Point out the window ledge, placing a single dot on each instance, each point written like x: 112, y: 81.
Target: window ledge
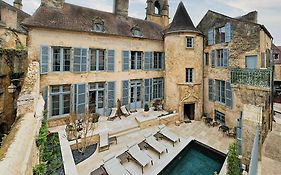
x: 57, y: 117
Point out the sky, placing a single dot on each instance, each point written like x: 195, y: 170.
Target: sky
x: 268, y: 10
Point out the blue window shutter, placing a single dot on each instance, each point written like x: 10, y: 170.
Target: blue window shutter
x: 218, y: 90
x: 262, y: 60
x: 227, y: 32
x: 76, y: 61
x: 84, y: 60
x: 80, y: 98
x: 225, y: 57
x: 147, y: 60
x: 125, y: 60
x: 213, y: 55
x: 111, y: 94
x: 228, y: 94
x: 210, y: 36
x: 125, y: 92
x: 45, y: 97
x: 211, y: 89
x: 44, y: 59
x: 147, y: 89
x: 110, y: 60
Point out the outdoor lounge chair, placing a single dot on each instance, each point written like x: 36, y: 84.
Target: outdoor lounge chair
x: 124, y: 111
x: 113, y: 166
x: 139, y: 156
x: 165, y: 132
x: 155, y: 145
x: 104, y: 141
x: 112, y: 114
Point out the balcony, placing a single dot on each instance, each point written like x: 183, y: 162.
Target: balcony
x: 251, y: 77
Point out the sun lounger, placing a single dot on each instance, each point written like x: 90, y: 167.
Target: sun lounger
x: 104, y: 141
x: 154, y: 144
x: 113, y: 114
x: 164, y: 131
x: 124, y: 111
x: 139, y: 156
x: 113, y: 166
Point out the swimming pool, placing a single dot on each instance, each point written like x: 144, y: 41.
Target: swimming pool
x: 195, y: 159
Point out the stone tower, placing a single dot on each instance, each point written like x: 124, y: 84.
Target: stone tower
x: 158, y: 11
x: 18, y: 4
x: 53, y: 3
x: 121, y: 7
x: 183, y: 67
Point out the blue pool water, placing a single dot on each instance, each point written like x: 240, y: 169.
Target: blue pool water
x: 195, y: 159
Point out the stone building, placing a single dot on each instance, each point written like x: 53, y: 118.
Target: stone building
x: 276, y: 50
x: 238, y: 73
x: 13, y: 38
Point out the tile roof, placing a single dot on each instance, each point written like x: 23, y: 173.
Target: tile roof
x: 77, y: 18
x: 181, y: 21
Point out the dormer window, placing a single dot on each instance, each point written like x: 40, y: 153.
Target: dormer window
x: 136, y: 32
x: 98, y: 25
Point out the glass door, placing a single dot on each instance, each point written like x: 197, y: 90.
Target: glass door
x: 135, y: 95
x: 96, y: 98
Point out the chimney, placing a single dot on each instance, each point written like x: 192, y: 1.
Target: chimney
x: 53, y: 3
x: 121, y: 7
x: 251, y: 17
x: 18, y: 4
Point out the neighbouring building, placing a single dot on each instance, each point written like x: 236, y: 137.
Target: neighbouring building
x: 276, y: 50
x: 90, y: 58
x: 13, y: 37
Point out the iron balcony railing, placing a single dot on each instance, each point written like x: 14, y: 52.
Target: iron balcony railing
x: 251, y: 77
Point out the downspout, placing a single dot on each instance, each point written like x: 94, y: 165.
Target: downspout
x: 203, y: 82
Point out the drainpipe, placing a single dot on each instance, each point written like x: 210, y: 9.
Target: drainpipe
x: 203, y: 82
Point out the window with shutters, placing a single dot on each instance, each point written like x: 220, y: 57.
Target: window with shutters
x: 97, y: 59
x: 206, y: 56
x: 220, y: 58
x: 80, y: 60
x: 220, y: 117
x: 61, y: 59
x: 188, y: 75
x: 220, y: 37
x: 96, y: 96
x: 220, y: 91
x: 60, y: 100
x: 251, y: 62
x: 189, y: 42
x: 210, y: 37
x: 158, y: 88
x: 158, y: 60
x: 136, y: 60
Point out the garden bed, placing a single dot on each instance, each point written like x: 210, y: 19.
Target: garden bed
x: 79, y: 157
x: 50, y: 157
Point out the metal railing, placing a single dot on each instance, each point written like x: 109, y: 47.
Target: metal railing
x: 251, y: 77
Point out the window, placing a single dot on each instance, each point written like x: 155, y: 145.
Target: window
x: 158, y: 87
x: 96, y: 97
x: 61, y: 59
x: 136, y: 32
x: 157, y: 60
x: 220, y: 91
x: 210, y: 37
x: 97, y: 59
x: 211, y: 89
x: 98, y: 27
x: 188, y: 75
x: 221, y: 35
x: 136, y: 60
x: 157, y: 8
x: 276, y: 56
x: 213, y: 55
x: 207, y: 59
x: 220, y: 58
x: 60, y: 100
x: 220, y: 117
x: 189, y: 42
x: 251, y: 62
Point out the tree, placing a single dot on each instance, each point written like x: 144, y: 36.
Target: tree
x: 232, y: 160
x: 79, y: 128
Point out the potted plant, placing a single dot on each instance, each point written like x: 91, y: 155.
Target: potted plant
x: 146, y: 107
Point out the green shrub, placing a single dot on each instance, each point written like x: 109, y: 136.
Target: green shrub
x: 232, y: 160
x: 40, y: 169
x: 146, y: 107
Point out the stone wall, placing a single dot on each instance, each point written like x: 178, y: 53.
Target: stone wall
x: 177, y: 58
x: 21, y: 154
